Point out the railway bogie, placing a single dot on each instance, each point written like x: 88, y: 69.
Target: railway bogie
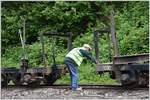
x: 32, y: 76
x: 129, y: 75
x: 4, y: 81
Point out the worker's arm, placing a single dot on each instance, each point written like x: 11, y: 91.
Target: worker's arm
x: 88, y: 55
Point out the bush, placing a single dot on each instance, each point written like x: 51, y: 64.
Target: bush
x: 88, y: 75
x: 13, y: 55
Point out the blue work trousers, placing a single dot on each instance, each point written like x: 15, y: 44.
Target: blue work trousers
x: 73, y: 74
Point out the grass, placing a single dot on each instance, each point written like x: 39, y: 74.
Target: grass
x: 88, y: 75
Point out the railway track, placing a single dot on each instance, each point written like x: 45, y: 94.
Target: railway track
x: 64, y: 92
x: 119, y: 87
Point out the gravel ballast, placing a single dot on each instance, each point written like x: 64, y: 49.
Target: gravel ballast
x: 50, y: 93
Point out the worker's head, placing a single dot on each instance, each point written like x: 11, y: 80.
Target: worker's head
x: 87, y: 47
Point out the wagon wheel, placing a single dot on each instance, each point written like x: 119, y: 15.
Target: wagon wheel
x: 52, y: 77
x: 133, y: 84
x: 4, y: 80
x: 16, y: 81
x: 34, y: 84
x: 143, y: 79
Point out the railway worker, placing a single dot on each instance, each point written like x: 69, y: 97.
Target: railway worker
x: 74, y: 59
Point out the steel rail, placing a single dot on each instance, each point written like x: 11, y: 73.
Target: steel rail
x: 84, y: 86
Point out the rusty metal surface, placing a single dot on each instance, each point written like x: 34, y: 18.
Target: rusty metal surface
x: 140, y: 67
x: 9, y: 70
x: 131, y: 59
x: 104, y: 67
x: 38, y: 70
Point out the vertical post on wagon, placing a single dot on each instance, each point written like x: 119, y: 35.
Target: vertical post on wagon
x: 24, y: 40
x: 43, y: 50
x: 112, y: 29
x: 115, y: 45
x: 69, y: 44
x: 96, y: 37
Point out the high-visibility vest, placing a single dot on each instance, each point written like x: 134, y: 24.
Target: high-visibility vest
x: 76, y: 55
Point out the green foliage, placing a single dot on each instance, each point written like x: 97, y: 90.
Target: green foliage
x: 131, y: 24
x: 88, y: 75
x: 13, y: 55
x: 60, y: 15
x: 132, y: 28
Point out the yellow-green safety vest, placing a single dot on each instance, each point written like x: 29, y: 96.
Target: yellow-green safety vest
x: 76, y: 55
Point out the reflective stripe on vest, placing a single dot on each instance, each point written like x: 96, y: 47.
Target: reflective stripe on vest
x: 76, y: 55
